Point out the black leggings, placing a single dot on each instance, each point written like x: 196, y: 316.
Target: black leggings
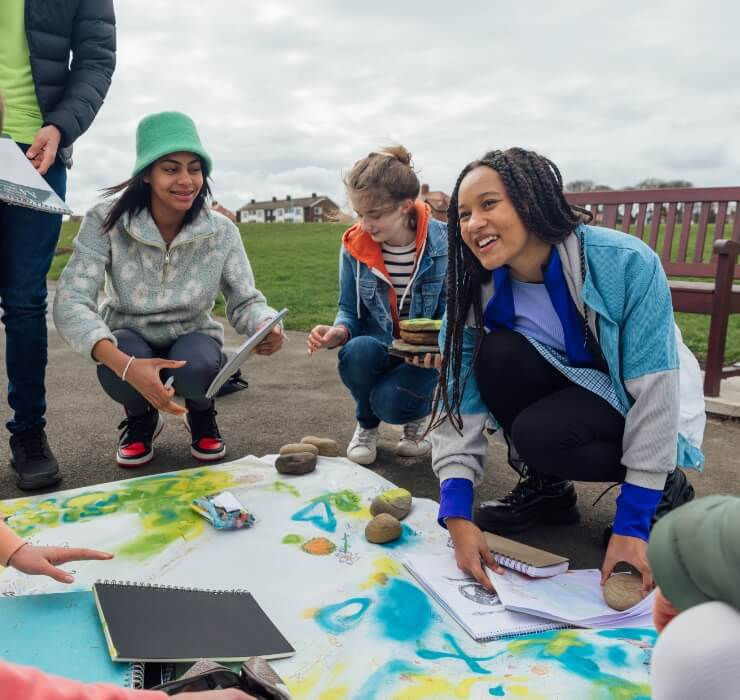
x: 558, y: 428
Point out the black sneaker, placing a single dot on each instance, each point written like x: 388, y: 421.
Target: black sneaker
x: 677, y: 491
x: 532, y: 501
x: 207, y: 444
x: 35, y: 465
x: 135, y: 446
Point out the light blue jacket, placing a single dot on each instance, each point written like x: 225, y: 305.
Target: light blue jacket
x: 366, y: 294
x: 629, y: 310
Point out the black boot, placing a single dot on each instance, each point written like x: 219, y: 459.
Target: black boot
x: 534, y: 500
x: 35, y: 465
x: 677, y: 491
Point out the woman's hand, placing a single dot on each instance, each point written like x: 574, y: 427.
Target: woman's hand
x: 326, y: 337
x: 663, y: 610
x: 272, y: 342
x: 31, y: 559
x: 631, y: 550
x: 429, y: 361
x: 143, y: 375
x: 470, y: 548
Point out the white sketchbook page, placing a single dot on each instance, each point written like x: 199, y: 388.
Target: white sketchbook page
x: 574, y: 597
x: 478, y: 610
x: 17, y: 172
x: 242, y: 353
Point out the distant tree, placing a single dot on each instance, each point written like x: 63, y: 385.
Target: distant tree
x: 654, y: 183
x: 584, y: 186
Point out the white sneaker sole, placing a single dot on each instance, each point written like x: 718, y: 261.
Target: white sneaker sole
x: 362, y: 459
x: 144, y: 459
x: 406, y: 449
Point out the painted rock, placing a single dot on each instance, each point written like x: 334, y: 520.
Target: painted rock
x: 622, y: 591
x: 383, y: 528
x: 326, y: 446
x: 294, y: 447
x: 296, y: 463
x: 396, y: 502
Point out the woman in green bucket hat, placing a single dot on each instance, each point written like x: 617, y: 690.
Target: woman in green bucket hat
x: 164, y: 256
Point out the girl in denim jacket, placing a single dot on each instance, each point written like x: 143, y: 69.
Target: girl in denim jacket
x: 392, y: 267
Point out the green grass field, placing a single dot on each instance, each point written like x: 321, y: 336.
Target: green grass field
x: 296, y: 265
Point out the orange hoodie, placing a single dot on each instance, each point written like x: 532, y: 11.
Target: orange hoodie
x: 360, y: 245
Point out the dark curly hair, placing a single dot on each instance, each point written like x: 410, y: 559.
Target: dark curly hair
x: 535, y: 187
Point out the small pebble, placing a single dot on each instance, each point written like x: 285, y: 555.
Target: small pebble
x: 622, y: 591
x: 326, y: 446
x: 383, y: 528
x: 395, y: 502
x: 296, y: 463
x: 294, y: 447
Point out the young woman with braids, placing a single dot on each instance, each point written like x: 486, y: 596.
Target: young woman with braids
x: 563, y: 335
x: 392, y: 267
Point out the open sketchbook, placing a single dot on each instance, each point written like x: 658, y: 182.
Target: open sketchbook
x: 242, y: 353
x: 574, y: 598
x: 21, y: 184
x: 479, y: 612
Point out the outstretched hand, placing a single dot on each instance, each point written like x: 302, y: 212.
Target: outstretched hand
x: 471, y: 551
x: 44, y: 561
x: 325, y: 337
x: 143, y: 375
x: 633, y: 551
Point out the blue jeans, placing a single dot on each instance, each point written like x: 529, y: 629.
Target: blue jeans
x: 201, y: 352
x: 28, y: 239
x: 384, y: 387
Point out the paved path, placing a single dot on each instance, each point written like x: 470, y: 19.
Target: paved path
x: 291, y: 395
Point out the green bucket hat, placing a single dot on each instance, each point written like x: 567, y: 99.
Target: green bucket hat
x: 167, y: 132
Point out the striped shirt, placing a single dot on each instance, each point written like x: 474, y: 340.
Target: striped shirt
x: 400, y: 261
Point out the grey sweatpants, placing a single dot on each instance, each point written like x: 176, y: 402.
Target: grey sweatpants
x: 201, y: 352
x: 698, y: 655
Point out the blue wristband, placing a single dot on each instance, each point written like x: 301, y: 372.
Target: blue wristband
x: 635, y: 508
x: 455, y: 500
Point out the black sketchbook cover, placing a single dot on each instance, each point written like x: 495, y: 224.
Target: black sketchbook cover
x: 160, y: 623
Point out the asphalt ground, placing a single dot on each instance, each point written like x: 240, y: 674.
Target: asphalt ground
x: 291, y: 395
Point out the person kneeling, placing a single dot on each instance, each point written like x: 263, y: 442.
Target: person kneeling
x: 164, y: 256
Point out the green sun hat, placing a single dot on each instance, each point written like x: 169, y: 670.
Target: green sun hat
x: 167, y: 132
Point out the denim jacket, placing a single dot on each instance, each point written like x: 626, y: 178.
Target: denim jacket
x: 367, y: 300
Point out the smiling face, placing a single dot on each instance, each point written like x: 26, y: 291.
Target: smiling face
x: 384, y: 220
x: 489, y: 223
x: 175, y: 181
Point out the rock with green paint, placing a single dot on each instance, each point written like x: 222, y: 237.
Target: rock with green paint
x: 294, y: 447
x: 383, y: 528
x: 622, y: 591
x: 296, y: 464
x: 326, y: 446
x: 395, y: 502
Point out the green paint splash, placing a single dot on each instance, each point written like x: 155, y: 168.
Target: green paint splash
x: 292, y: 539
x: 162, y: 503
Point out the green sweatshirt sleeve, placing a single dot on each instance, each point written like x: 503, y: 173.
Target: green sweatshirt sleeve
x: 694, y: 552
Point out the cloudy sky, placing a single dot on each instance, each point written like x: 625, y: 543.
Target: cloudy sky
x: 287, y: 95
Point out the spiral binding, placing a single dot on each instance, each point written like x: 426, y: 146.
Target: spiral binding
x: 514, y: 634
x: 21, y: 202
x: 509, y: 563
x: 138, y: 584
x: 136, y: 675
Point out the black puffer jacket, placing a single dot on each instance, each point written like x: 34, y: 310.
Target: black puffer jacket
x: 71, y: 95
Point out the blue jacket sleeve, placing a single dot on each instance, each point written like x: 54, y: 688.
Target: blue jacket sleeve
x: 455, y: 500
x: 635, y: 508
x: 348, y: 300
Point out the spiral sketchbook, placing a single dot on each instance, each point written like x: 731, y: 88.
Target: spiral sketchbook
x: 537, y: 563
x: 479, y: 612
x: 21, y: 184
x: 60, y: 634
x: 153, y: 623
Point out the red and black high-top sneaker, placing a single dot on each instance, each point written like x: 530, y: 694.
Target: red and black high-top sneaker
x: 135, y: 444
x: 207, y: 444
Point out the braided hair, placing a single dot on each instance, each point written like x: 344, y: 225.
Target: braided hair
x: 535, y: 187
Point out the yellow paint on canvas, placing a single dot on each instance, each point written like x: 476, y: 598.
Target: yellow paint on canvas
x: 301, y: 687
x: 339, y: 692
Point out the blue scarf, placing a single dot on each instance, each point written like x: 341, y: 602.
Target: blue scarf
x: 499, y: 312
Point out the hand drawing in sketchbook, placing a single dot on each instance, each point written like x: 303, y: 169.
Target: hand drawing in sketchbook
x: 473, y: 591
